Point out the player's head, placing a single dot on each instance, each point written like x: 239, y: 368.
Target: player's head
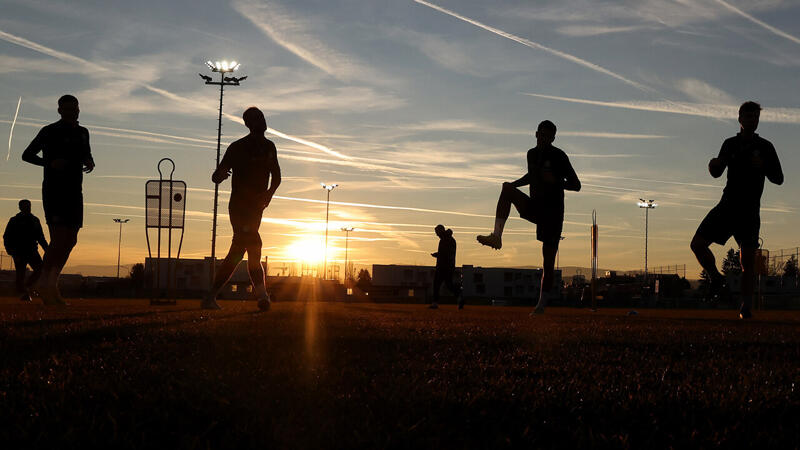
x: 545, y: 133
x: 749, y: 113
x: 68, y: 108
x: 254, y: 120
x: 25, y: 205
x: 439, y: 230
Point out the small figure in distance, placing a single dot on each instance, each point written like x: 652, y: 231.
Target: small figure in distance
x: 549, y: 175
x: 22, y: 238
x: 252, y: 160
x: 445, y: 266
x: 749, y: 159
x: 66, y: 155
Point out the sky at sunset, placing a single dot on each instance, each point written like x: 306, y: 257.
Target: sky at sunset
x: 418, y: 110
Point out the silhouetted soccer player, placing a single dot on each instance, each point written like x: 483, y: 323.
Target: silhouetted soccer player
x: 65, y: 156
x: 549, y: 175
x: 22, y: 238
x: 253, y: 159
x: 749, y: 158
x: 445, y: 266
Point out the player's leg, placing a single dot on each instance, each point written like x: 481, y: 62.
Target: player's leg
x: 223, y: 273
x: 747, y: 258
x: 509, y: 195
x: 20, y: 265
x: 256, y: 271
x: 438, y: 279
x: 62, y: 241
x: 701, y: 248
x: 454, y: 287
x: 35, y: 261
x: 549, y: 251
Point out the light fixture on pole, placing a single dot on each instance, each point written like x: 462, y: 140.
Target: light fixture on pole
x: 329, y: 188
x: 221, y: 67
x: 119, y: 242
x: 647, y: 205
x: 347, y: 231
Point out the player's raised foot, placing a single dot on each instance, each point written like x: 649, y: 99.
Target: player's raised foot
x: 209, y: 302
x: 491, y: 240
x: 433, y: 306
x: 745, y: 314
x: 264, y: 303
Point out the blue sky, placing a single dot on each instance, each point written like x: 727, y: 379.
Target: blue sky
x: 419, y: 110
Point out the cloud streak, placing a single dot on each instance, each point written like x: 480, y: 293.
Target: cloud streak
x: 93, y: 67
x: 537, y: 46
x: 712, y: 111
x: 758, y: 22
x: 11, y: 131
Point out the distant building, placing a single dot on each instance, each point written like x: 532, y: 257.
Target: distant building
x: 492, y: 284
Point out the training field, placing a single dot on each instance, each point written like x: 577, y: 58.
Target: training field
x: 329, y: 375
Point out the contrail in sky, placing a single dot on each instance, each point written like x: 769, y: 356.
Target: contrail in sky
x: 531, y: 44
x: 753, y: 19
x: 164, y: 93
x: 11, y: 132
x: 720, y: 112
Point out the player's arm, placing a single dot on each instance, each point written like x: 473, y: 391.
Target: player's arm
x: 773, y: 171
x: 86, y: 157
x: 40, y: 236
x: 717, y: 165
x: 8, y: 237
x: 223, y: 170
x: 274, y: 175
x: 570, y: 178
x: 31, y: 153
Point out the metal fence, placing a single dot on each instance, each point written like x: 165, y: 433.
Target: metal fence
x: 776, y: 262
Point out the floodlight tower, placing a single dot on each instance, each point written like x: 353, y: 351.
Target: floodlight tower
x: 329, y: 188
x: 647, y: 205
x: 221, y: 67
x: 120, y: 221
x: 347, y: 231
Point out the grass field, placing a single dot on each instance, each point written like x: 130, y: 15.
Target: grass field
x: 326, y: 375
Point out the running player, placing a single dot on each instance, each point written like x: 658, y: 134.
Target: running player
x: 65, y: 156
x: 22, y: 238
x: 445, y: 266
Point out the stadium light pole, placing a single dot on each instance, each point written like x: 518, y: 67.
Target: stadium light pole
x: 647, y: 205
x: 221, y: 67
x: 347, y: 231
x: 329, y: 188
x: 120, y: 221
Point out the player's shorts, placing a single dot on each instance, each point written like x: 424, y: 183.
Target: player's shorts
x: 245, y: 221
x: 549, y: 218
x: 726, y: 220
x: 63, y: 209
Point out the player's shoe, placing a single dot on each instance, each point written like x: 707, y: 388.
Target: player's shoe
x: 433, y: 306
x: 538, y: 311
x: 209, y: 302
x: 264, y: 303
x: 491, y: 240
x: 26, y: 297
x: 745, y: 314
